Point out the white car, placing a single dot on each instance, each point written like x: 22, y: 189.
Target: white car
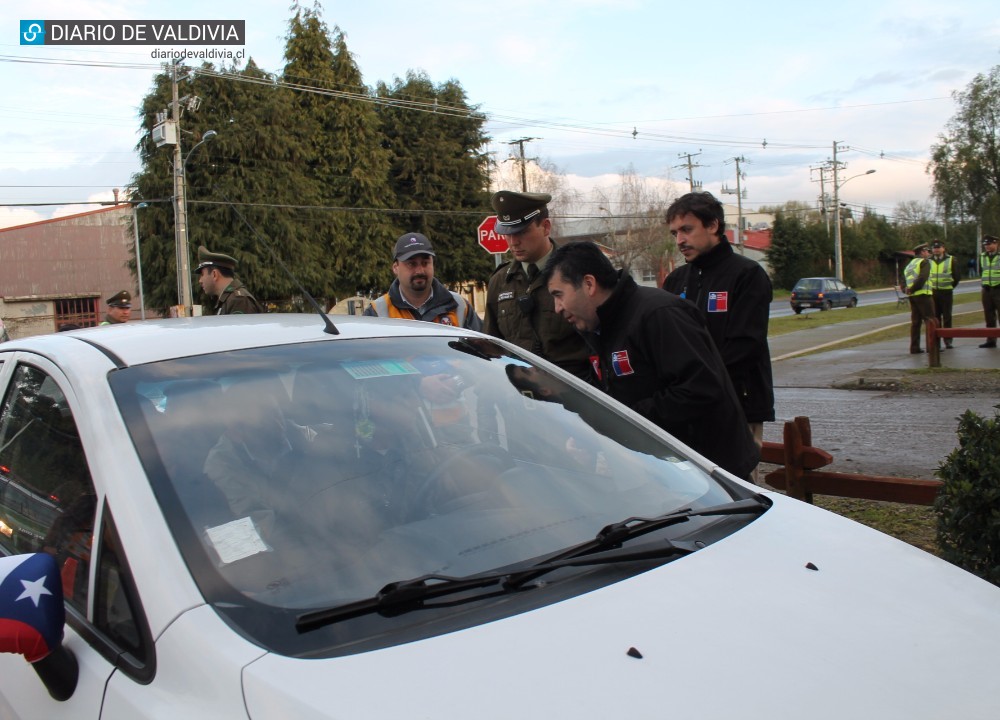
x: 253, y: 517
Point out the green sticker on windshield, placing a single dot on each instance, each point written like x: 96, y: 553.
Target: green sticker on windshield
x: 365, y: 370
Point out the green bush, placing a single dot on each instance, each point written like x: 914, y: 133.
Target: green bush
x: 968, y: 506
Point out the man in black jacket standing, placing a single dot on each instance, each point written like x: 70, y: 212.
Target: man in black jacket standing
x: 733, y: 294
x: 654, y: 355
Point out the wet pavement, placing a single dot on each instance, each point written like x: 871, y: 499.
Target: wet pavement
x: 881, y: 432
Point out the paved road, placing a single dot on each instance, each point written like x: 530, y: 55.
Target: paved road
x: 781, y: 308
x: 883, y: 433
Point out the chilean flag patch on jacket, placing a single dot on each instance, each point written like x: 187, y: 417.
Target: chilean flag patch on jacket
x: 718, y: 302
x: 620, y: 363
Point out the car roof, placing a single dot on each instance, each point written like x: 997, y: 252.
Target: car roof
x: 140, y: 342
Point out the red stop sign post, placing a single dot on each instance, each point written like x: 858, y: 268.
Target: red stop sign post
x: 490, y: 240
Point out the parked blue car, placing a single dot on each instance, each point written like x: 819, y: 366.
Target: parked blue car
x: 822, y: 293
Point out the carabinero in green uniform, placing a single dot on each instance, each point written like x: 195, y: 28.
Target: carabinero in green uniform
x: 916, y: 285
x: 217, y: 276
x: 518, y: 305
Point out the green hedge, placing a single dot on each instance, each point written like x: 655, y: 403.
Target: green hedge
x: 968, y: 506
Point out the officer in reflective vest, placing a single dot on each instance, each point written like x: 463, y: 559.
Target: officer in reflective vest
x: 989, y: 263
x: 943, y: 280
x: 917, y: 288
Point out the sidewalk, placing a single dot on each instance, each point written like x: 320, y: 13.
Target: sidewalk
x: 825, y: 369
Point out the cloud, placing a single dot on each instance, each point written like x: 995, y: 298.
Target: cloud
x: 12, y: 217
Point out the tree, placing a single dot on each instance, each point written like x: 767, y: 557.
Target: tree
x: 438, y: 170
x: 635, y: 225
x: 965, y: 164
x: 246, y: 163
x: 340, y: 133
x: 795, y: 250
x: 871, y: 238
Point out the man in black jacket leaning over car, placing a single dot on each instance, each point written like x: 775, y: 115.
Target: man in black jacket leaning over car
x: 654, y: 355
x: 733, y: 294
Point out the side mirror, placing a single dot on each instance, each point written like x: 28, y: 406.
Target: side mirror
x: 32, y: 618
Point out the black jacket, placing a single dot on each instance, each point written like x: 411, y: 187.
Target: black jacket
x: 736, y: 319
x: 657, y: 357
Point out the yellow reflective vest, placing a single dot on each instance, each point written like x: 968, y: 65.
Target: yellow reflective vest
x: 912, y: 272
x: 990, y: 267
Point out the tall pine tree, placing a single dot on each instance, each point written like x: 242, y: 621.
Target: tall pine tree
x: 439, y: 171
x: 337, y: 122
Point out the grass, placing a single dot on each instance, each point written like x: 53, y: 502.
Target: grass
x: 893, y: 333
x: 783, y: 325
x: 913, y: 524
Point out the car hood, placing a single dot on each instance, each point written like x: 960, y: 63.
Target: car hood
x: 802, y: 614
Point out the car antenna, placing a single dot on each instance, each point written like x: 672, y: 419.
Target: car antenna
x: 330, y: 328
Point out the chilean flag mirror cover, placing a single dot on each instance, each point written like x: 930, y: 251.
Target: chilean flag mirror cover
x: 29, y: 584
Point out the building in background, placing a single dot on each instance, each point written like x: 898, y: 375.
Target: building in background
x: 59, y: 271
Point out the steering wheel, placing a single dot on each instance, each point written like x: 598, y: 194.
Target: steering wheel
x: 423, y: 496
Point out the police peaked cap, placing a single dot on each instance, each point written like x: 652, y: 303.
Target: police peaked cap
x: 515, y: 211
x: 122, y: 299
x: 210, y: 259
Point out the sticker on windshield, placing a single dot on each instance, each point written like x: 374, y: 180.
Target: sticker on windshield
x: 236, y: 540
x: 366, y: 369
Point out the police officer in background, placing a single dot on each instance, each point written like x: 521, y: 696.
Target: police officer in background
x: 518, y: 305
x: 916, y: 285
x: 217, y: 276
x: 943, y: 279
x: 415, y: 294
x: 989, y: 268
x: 119, y: 308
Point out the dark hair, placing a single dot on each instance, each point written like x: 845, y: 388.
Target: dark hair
x: 576, y: 259
x: 523, y: 380
x: 64, y: 327
x: 703, y: 206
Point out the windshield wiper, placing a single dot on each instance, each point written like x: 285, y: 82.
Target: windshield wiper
x: 615, y: 534
x: 400, y: 597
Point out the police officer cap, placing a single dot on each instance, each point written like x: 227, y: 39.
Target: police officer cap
x: 937, y: 244
x: 920, y: 248
x: 515, y: 211
x: 210, y: 259
x: 122, y: 299
x: 989, y: 239
x: 412, y: 244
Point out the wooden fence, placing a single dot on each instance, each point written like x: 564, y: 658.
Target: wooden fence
x: 801, y: 476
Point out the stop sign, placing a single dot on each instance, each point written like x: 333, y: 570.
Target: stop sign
x: 489, y: 239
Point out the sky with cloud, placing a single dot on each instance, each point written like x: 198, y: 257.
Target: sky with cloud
x: 600, y: 85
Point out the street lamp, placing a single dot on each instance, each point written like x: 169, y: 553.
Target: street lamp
x: 138, y: 256
x: 838, y: 249
x: 184, y: 294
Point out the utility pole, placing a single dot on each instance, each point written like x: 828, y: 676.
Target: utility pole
x: 523, y: 160
x: 167, y: 131
x: 823, y: 169
x: 690, y: 168
x: 185, y: 297
x: 739, y: 201
x: 838, y: 250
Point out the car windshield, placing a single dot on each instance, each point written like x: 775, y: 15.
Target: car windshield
x: 306, y: 476
x: 809, y: 285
